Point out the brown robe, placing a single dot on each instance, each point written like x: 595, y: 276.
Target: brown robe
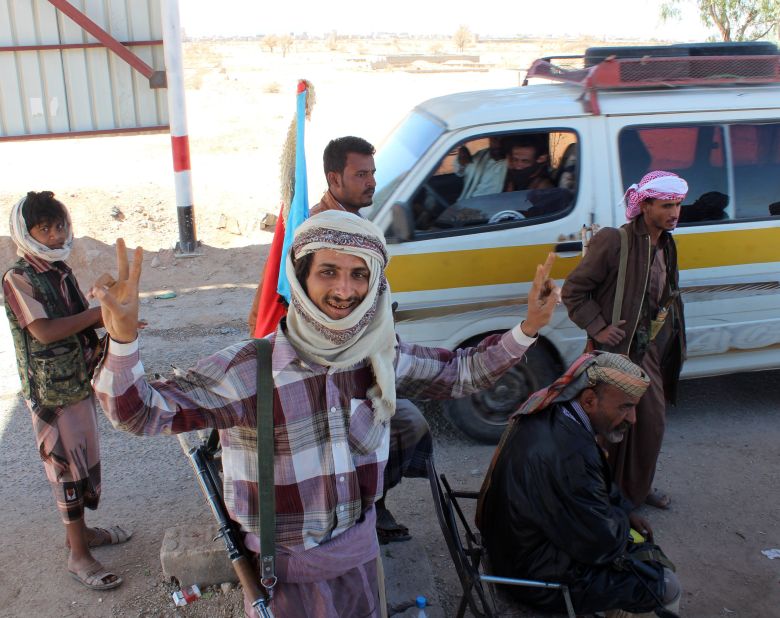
x: 589, y: 293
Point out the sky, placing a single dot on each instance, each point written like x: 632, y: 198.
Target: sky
x: 632, y: 19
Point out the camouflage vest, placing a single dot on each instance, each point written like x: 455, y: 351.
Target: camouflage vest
x: 52, y: 374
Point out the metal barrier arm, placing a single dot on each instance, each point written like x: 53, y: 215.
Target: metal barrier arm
x: 156, y: 78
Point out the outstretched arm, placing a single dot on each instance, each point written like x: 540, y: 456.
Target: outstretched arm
x: 436, y: 373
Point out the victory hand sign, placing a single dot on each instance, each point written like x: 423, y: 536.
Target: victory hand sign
x: 542, y: 298
x: 119, y: 298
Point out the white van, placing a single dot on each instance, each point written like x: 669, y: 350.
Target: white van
x: 463, y: 256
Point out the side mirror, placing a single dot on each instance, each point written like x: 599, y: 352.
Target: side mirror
x: 403, y: 223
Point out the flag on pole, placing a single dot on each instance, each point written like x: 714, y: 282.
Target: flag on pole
x: 270, y: 308
x: 275, y: 286
x: 299, y: 208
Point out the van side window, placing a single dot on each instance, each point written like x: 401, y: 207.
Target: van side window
x: 698, y: 154
x: 693, y: 152
x: 755, y: 152
x: 499, y: 179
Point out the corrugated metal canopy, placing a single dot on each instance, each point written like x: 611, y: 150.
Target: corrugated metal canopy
x: 56, y: 79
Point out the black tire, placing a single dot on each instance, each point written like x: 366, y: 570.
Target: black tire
x: 483, y: 416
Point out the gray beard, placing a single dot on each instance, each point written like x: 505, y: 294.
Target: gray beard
x: 616, y: 436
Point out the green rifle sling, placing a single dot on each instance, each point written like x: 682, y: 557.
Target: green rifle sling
x: 621, y: 278
x: 265, y: 463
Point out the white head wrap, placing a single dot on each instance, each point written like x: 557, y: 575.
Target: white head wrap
x: 366, y: 333
x: 26, y: 244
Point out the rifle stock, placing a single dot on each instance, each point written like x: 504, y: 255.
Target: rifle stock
x: 228, y: 529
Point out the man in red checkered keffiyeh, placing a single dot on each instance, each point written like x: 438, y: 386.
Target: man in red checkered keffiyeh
x: 657, y: 185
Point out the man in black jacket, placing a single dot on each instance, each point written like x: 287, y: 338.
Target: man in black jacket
x: 549, y: 509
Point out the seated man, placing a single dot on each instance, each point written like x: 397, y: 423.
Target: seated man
x: 527, y: 165
x: 549, y: 509
x: 483, y: 173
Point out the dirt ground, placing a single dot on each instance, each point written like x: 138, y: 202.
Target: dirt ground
x: 721, y: 458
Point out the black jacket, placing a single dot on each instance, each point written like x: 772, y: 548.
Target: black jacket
x: 553, y: 513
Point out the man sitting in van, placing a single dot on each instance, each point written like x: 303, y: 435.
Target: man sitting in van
x: 483, y: 173
x: 527, y: 164
x: 549, y: 509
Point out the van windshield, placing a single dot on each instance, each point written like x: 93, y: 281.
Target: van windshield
x: 399, y: 153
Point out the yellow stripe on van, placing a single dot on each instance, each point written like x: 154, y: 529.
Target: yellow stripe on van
x: 456, y: 269
x: 504, y: 265
x: 728, y: 248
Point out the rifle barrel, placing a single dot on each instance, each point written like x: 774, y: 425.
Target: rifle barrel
x: 227, y: 529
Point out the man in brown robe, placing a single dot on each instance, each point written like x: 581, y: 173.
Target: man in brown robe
x: 650, y: 328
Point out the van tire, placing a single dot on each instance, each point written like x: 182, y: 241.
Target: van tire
x: 483, y: 416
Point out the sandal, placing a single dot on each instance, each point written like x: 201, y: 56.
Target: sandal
x: 388, y: 530
x: 96, y: 577
x: 658, y: 500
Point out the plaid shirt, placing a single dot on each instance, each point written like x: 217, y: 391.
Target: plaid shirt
x: 329, y: 453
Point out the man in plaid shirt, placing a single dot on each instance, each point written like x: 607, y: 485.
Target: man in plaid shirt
x: 337, y: 367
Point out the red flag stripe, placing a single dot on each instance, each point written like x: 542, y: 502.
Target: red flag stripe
x: 269, y: 309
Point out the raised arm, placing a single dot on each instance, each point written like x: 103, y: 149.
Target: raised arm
x: 542, y: 299
x: 436, y: 373
x: 219, y: 391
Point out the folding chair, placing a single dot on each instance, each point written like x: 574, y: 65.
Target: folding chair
x: 469, y: 559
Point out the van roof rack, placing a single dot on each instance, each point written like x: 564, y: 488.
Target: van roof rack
x: 655, y: 67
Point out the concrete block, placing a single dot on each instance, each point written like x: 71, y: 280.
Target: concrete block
x: 189, y: 554
x: 408, y: 574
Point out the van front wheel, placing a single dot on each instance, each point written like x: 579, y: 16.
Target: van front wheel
x: 483, y: 416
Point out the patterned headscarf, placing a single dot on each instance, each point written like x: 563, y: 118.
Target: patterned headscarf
x: 27, y: 245
x: 655, y: 185
x: 588, y: 370
x: 367, y: 332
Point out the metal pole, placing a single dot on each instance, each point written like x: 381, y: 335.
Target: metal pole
x: 178, y: 121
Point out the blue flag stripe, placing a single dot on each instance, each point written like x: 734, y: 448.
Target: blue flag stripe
x: 299, y: 209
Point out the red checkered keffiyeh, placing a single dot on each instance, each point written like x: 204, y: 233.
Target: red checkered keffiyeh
x: 655, y: 185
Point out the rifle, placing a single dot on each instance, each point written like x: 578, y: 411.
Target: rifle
x: 202, y: 460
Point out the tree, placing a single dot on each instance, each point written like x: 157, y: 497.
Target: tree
x: 736, y: 20
x: 286, y: 43
x: 332, y: 41
x: 462, y: 37
x: 270, y: 41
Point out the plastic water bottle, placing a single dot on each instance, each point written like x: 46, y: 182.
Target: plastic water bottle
x: 421, y: 602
